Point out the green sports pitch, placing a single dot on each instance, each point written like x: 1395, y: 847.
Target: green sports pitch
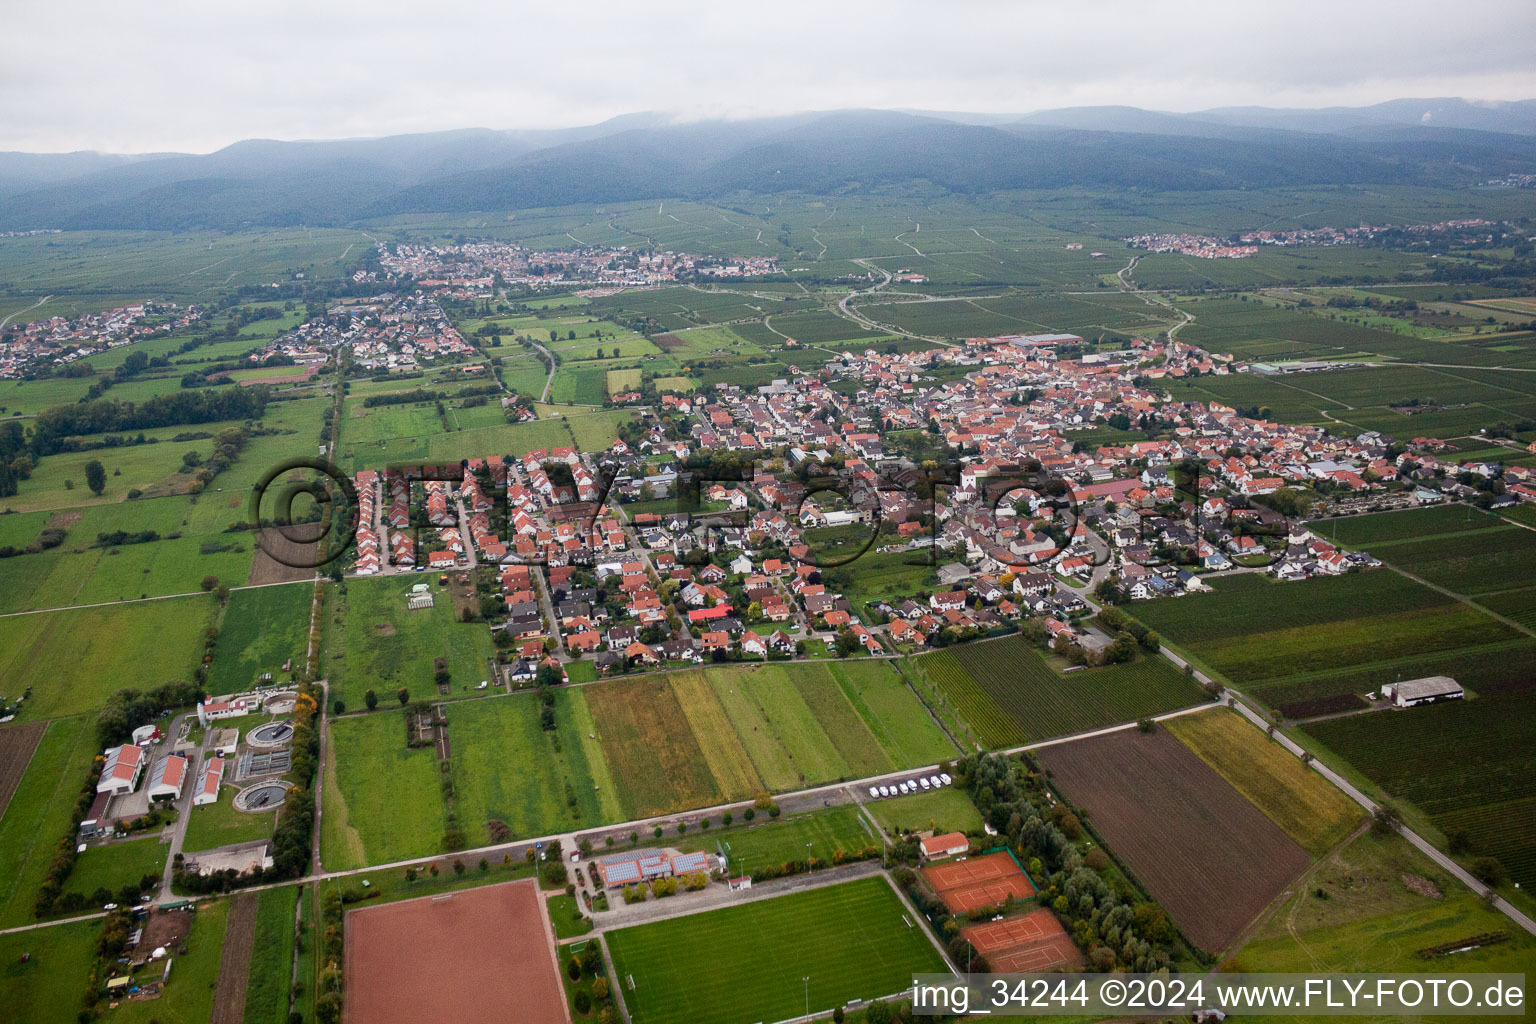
x: 749, y: 963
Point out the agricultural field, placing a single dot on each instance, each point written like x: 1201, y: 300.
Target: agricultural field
x: 1358, y: 913
x: 653, y: 752
x: 154, y: 470
x: 676, y: 385
x: 707, y: 736
x: 438, y: 446
x: 82, y: 572
x: 373, y: 641
x: 49, y: 986
x: 505, y: 768
x: 596, y: 431
x: 268, y: 983
x: 1258, y: 330
x: 72, y: 660
x: 1517, y: 605
x: 183, y: 266
x: 621, y: 750
x: 526, y: 375
x: 16, y: 746
x: 1182, y: 829
x: 1307, y: 807
x: 811, y: 722
x: 1011, y: 695
x: 1463, y: 763
x: 1410, y: 524
x: 623, y: 380
x: 235, y: 960
x: 1471, y: 562
x: 866, y: 946
x: 394, y: 801
x: 1293, y: 645
x: 1111, y: 313
x: 579, y: 385
x: 38, y: 814
x: 383, y: 800
x: 705, y: 343
x: 363, y: 424
x: 261, y: 630
x: 195, y: 535
x: 1401, y: 400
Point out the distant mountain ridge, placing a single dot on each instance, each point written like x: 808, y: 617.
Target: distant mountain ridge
x: 649, y: 156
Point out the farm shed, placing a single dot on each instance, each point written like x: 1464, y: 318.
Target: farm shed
x: 1411, y: 692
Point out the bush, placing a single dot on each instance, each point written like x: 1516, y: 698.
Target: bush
x: 1489, y: 871
x: 582, y: 1002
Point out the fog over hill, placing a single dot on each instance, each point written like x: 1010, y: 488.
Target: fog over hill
x: 1431, y: 142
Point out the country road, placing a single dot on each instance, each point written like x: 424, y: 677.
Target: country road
x: 549, y: 382
x: 802, y: 799
x: 845, y: 309
x: 7, y: 318
x: 141, y: 600
x: 1350, y: 790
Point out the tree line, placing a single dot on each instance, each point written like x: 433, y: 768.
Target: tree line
x: 105, y: 415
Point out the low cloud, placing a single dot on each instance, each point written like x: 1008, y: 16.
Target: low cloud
x: 194, y: 77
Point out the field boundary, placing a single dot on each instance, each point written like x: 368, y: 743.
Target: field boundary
x: 235, y: 960
x: 17, y: 745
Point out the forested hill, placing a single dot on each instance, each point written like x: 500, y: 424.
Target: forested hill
x: 326, y: 183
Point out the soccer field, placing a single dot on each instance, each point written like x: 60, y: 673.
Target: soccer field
x: 748, y: 963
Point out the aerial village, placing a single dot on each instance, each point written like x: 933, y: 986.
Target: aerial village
x: 1030, y: 518
x: 58, y: 341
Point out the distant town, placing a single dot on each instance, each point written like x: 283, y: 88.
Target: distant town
x: 1245, y: 244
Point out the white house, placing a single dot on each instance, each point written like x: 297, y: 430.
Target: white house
x: 166, y: 780
x: 215, y: 710
x: 121, y: 772
x: 208, y: 780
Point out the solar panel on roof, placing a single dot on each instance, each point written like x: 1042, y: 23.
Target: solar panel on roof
x: 622, y: 873
x: 688, y: 862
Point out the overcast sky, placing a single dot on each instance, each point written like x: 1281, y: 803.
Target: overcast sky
x: 149, y: 75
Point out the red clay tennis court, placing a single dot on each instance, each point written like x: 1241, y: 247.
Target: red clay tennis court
x: 982, y: 881
x: 1031, y: 942
x: 468, y: 957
